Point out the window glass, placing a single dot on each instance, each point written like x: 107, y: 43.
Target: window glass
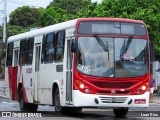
x: 29, y: 55
x: 48, y: 48
x: 43, y: 48
x: 59, y: 53
x: 49, y: 40
x: 61, y: 36
x: 16, y: 55
x: 9, y: 54
x: 60, y: 45
x: 23, y: 51
x: 113, y: 57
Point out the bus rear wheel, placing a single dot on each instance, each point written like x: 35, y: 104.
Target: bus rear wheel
x: 32, y: 107
x: 23, y: 106
x: 26, y: 106
x: 120, y: 112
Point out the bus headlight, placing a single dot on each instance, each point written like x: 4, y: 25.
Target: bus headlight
x: 142, y: 89
x: 82, y: 87
x: 87, y: 90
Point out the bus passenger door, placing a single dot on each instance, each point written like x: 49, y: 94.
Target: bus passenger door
x: 37, y: 74
x: 69, y: 73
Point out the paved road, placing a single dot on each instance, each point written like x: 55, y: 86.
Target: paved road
x: 1, y: 87
x: 87, y: 114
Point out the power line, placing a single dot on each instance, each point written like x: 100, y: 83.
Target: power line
x: 49, y: 15
x: 1, y: 13
x: 1, y: 1
x: 22, y: 3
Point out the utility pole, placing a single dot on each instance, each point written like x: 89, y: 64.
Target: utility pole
x: 5, y: 23
x: 4, y: 44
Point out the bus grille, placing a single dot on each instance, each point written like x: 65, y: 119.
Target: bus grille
x: 113, y: 84
x: 113, y: 99
x: 109, y: 92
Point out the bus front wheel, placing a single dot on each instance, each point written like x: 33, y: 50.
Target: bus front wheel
x: 57, y: 106
x: 60, y: 109
x: 120, y: 112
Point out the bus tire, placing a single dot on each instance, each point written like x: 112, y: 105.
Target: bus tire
x: 74, y: 109
x: 58, y: 108
x: 29, y: 107
x: 23, y: 106
x: 158, y: 91
x: 71, y: 110
x: 32, y: 107
x: 120, y: 112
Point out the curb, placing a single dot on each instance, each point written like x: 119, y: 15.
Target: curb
x: 2, y: 89
x: 2, y: 92
x: 157, y: 102
x: 2, y: 96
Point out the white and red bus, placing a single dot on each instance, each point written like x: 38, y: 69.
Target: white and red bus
x: 82, y: 63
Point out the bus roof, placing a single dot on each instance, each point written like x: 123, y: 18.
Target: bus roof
x: 112, y: 19
x: 41, y: 31
x: 62, y: 26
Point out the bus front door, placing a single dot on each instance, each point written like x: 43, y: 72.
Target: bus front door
x: 37, y: 74
x: 69, y: 73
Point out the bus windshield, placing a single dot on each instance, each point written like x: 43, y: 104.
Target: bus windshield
x: 112, y: 57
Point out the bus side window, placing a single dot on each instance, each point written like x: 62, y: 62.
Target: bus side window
x: 48, y: 53
x: 16, y: 53
x: 29, y: 55
x: 43, y: 47
x: 60, y: 46
x: 9, y: 54
x: 23, y: 51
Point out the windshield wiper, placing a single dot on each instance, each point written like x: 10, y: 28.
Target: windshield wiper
x: 128, y: 43
x: 124, y: 48
x: 105, y: 47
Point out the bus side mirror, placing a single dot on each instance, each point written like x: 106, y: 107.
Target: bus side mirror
x: 73, y: 46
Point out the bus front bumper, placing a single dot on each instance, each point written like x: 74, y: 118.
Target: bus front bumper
x: 93, y: 100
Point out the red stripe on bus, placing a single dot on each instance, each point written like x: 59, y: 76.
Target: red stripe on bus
x: 24, y: 91
x: 12, y: 76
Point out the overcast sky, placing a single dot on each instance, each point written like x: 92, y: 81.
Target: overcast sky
x: 13, y: 4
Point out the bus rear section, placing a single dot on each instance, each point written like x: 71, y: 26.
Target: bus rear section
x: 111, y: 67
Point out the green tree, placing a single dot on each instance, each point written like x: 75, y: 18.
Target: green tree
x: 14, y: 30
x: 24, y: 16
x: 1, y: 34
x: 71, y: 9
x: 49, y: 16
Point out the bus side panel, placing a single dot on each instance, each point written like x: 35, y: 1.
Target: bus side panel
x: 6, y: 84
x: 12, y: 76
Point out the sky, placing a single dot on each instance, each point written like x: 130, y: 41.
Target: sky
x: 13, y: 4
